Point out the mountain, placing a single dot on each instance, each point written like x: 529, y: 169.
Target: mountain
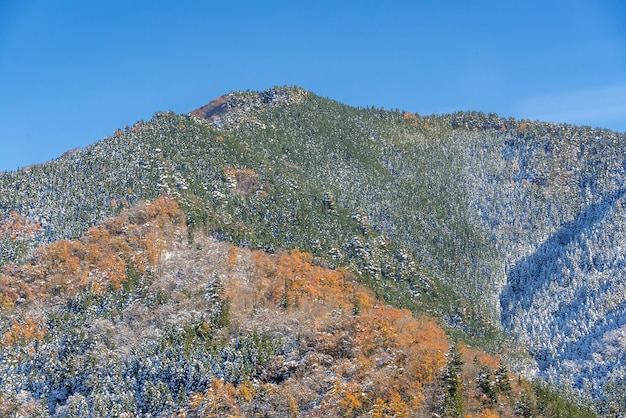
x: 501, y: 231
x: 134, y: 318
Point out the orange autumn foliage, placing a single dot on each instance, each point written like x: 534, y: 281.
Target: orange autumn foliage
x: 488, y: 413
x: 24, y: 331
x: 133, y: 240
x: 219, y: 400
x: 475, y: 355
x: 293, y: 275
x: 17, y: 226
x: 401, y: 354
x: 418, y: 346
x: 523, y: 127
x: 232, y: 257
x: 355, y: 355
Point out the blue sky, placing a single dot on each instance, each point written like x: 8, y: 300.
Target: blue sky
x: 73, y: 71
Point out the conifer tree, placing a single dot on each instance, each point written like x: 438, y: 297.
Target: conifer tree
x: 452, y: 400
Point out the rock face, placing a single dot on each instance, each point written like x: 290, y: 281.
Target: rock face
x: 215, y: 110
x: 231, y: 109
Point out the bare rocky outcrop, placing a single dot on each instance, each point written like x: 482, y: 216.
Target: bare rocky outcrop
x: 234, y: 108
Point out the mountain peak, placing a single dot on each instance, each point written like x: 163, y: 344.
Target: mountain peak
x: 229, y: 110
x: 510, y: 232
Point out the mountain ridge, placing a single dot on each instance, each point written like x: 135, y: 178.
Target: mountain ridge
x: 225, y: 111
x: 439, y: 213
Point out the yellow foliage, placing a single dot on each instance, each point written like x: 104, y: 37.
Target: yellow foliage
x: 293, y: 406
x: 246, y: 391
x: 6, y: 302
x: 350, y: 395
x: 380, y: 409
x: 195, y: 401
x: 397, y: 406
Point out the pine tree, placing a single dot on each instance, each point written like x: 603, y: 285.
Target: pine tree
x: 452, y: 400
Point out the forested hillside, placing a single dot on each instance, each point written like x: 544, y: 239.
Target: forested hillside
x: 134, y: 319
x: 502, y: 230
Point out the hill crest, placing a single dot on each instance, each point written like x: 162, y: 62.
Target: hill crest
x: 490, y: 224
x: 228, y: 110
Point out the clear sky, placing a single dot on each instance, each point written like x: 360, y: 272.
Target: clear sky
x: 71, y: 72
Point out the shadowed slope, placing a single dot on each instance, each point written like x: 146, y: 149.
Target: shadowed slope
x: 563, y: 299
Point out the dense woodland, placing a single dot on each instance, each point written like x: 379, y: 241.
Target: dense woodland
x: 314, y: 258
x: 134, y: 319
